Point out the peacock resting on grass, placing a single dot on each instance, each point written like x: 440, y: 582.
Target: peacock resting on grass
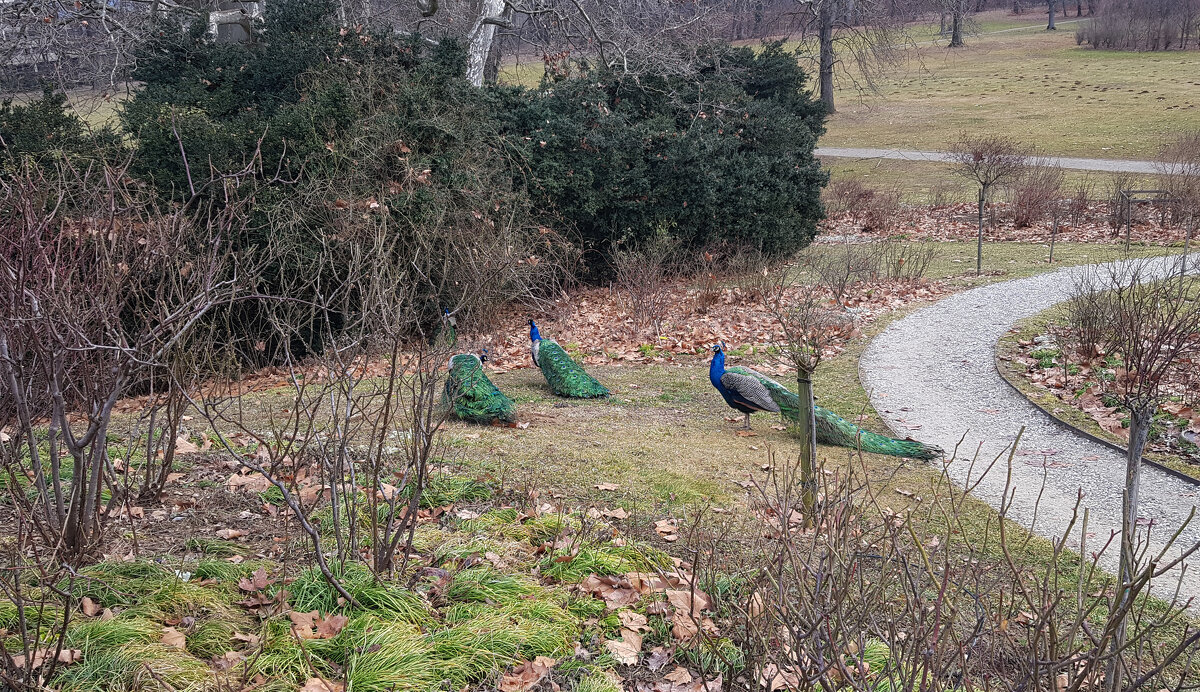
x: 471, y: 396
x: 564, y: 375
x: 744, y: 388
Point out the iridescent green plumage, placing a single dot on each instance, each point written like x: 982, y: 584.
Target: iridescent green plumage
x: 565, y: 376
x: 471, y: 396
x: 837, y: 431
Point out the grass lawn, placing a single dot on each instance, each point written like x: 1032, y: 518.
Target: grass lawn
x: 663, y: 437
x: 1038, y: 87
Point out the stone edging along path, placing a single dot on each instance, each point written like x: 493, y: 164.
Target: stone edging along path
x: 936, y: 369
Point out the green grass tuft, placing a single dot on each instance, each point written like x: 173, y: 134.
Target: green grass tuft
x: 390, y: 656
x: 311, y: 591
x: 442, y: 489
x: 134, y: 667
x: 487, y: 585
x: 602, y: 560
x: 597, y: 682
x: 96, y: 636
x: 213, y: 546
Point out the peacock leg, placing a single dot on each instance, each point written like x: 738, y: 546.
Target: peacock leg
x: 746, y: 426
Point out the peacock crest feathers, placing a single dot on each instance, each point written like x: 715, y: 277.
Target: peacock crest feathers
x: 472, y: 397
x: 564, y: 375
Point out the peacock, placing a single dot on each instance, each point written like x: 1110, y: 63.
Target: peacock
x: 740, y: 389
x: 832, y: 429
x: 447, y: 335
x: 564, y: 375
x: 471, y: 396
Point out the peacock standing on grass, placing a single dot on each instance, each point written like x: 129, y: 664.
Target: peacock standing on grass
x: 831, y: 428
x: 740, y: 389
x: 565, y: 376
x: 447, y: 335
x: 471, y: 396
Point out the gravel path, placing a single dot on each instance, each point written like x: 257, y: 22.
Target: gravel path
x: 936, y: 369
x: 1114, y: 165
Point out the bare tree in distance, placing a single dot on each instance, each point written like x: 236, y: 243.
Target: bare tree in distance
x: 957, y: 9
x: 1152, y: 325
x: 1050, y: 12
x: 986, y: 160
x: 865, y: 35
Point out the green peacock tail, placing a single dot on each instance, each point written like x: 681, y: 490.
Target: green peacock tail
x: 834, y: 430
x: 446, y: 337
x: 564, y: 375
x: 471, y: 396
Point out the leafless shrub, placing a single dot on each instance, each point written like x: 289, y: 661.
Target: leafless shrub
x: 1153, y: 326
x: 986, y: 160
x: 850, y: 594
x: 707, y: 276
x: 837, y: 268
x: 905, y: 261
x: 943, y: 194
x: 1035, y: 193
x: 102, y: 287
x: 644, y: 282
x: 1179, y: 165
x: 362, y: 424
x: 1142, y: 25
x: 1080, y: 201
x: 1117, y: 183
x: 874, y: 210
x: 807, y: 326
x: 39, y: 591
x: 752, y: 272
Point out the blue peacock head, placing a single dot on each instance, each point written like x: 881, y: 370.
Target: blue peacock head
x: 534, y: 335
x: 483, y: 356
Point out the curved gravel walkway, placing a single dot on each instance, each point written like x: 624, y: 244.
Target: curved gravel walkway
x: 936, y: 369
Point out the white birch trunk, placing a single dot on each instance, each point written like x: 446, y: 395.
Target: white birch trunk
x: 481, y: 40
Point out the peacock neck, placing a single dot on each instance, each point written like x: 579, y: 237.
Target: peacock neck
x: 716, y: 369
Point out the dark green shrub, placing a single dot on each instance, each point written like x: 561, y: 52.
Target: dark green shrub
x: 724, y: 155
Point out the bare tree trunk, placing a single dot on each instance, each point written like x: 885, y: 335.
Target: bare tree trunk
x: 979, y: 243
x: 1139, y: 431
x: 825, y: 33
x: 956, y: 39
x: 1050, y: 26
x: 806, y: 430
x: 1016, y: 7
x: 1078, y: 8
x: 480, y: 45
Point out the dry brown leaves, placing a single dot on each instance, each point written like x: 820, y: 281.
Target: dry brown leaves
x: 1085, y: 375
x: 527, y: 675
x: 173, y: 638
x: 679, y: 679
x: 959, y: 222
x: 322, y: 685
x: 313, y: 625
x: 41, y: 656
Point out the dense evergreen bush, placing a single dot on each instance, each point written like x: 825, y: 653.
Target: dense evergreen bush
x: 722, y: 156
x: 45, y: 128
x: 329, y: 137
